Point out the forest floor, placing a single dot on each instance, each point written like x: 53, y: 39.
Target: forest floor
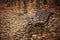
x: 13, y: 25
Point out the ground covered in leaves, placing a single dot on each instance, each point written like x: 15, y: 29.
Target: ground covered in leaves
x: 13, y: 25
